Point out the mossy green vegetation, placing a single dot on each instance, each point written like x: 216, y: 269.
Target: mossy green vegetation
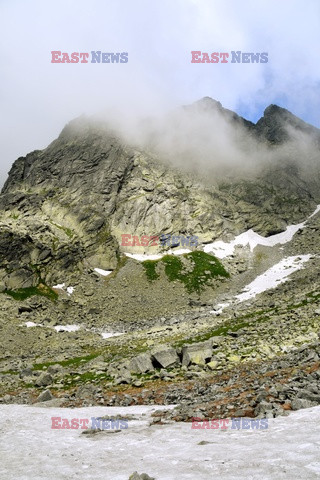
x: 24, y: 293
x: 204, y: 267
x: 87, y: 377
x: 150, y: 268
x: 71, y: 362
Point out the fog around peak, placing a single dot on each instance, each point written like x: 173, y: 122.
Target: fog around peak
x: 207, y: 139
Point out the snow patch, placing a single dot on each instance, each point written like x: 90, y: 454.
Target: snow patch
x: 31, y: 324
x: 104, y: 273
x: 110, y: 334
x: 182, y: 251
x: 224, y: 249
x: 143, y: 257
x: 67, y: 328
x: 61, y: 286
x: 289, y: 448
x: 252, y: 239
x: 218, y: 309
x: 317, y: 210
x: 277, y: 274
x: 58, y: 328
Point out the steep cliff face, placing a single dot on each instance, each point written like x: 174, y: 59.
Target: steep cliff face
x: 64, y: 209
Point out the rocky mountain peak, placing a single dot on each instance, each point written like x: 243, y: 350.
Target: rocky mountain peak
x: 278, y: 125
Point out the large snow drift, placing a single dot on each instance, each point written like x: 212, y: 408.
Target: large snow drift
x: 30, y: 450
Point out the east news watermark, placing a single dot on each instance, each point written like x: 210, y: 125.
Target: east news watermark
x: 93, y: 423
x: 95, y: 56
x: 164, y: 240
x: 228, y: 57
x: 236, y: 423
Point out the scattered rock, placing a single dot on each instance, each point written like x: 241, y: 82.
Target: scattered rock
x: 45, y: 396
x: 141, y: 364
x: 298, y: 403
x: 213, y: 364
x: 142, y: 476
x: 93, y: 431
x: 86, y: 392
x: 165, y: 357
x: 197, y: 353
x: 43, y: 380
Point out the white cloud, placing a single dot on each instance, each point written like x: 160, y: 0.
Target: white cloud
x: 38, y: 97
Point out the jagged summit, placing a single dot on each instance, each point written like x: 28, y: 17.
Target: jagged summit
x: 273, y: 109
x: 277, y: 125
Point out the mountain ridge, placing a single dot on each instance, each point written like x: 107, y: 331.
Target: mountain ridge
x: 88, y: 187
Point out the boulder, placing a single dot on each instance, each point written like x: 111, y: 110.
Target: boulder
x: 213, y: 364
x: 234, y: 358
x: 165, y: 357
x: 54, y: 369
x: 43, y: 380
x: 142, y: 476
x: 45, y: 396
x: 26, y: 372
x: 86, y: 392
x: 197, y: 353
x: 216, y: 341
x: 141, y: 364
x: 263, y: 409
x: 53, y: 403
x: 123, y: 377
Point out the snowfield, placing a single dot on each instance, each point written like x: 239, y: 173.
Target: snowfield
x: 275, y: 275
x: 30, y: 450
x: 224, y: 249
x: 271, y: 278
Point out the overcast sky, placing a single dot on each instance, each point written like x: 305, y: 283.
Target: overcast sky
x: 38, y: 97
